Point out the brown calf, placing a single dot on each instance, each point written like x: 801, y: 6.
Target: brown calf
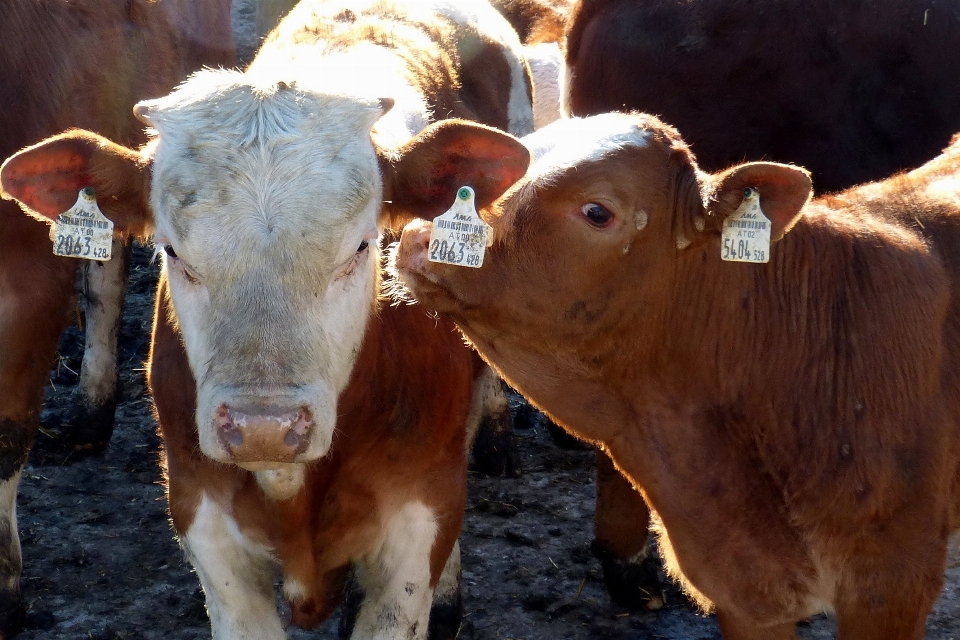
x: 794, y: 422
x: 713, y: 69
x: 66, y: 64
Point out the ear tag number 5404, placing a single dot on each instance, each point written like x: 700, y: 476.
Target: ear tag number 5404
x: 746, y: 232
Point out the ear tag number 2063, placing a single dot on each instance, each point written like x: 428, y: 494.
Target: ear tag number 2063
x: 460, y: 236
x: 82, y: 231
x: 746, y: 232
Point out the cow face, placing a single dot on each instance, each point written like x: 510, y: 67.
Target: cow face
x: 265, y: 203
x: 590, y: 242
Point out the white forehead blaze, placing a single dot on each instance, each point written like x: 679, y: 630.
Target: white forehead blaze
x: 570, y: 142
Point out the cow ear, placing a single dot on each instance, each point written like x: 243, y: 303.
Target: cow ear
x: 46, y: 178
x: 784, y: 190
x: 422, y: 178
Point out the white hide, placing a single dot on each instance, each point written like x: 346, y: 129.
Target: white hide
x: 9, y: 539
x: 546, y: 67
x: 396, y: 579
x: 572, y: 142
x: 236, y: 575
x: 250, y: 176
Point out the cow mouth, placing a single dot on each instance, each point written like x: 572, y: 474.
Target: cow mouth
x: 415, y: 280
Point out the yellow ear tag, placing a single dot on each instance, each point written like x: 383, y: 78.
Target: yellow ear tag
x: 82, y: 231
x: 746, y: 232
x: 460, y: 236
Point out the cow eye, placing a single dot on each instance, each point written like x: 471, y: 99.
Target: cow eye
x: 597, y: 214
x: 167, y: 249
x: 363, y: 246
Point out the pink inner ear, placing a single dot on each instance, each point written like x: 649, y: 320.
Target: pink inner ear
x: 45, y: 180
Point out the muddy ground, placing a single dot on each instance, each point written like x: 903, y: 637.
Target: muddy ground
x: 102, y: 563
x: 101, y: 560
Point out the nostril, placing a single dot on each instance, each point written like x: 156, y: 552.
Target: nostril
x: 229, y: 432
x: 231, y: 435
x: 297, y: 434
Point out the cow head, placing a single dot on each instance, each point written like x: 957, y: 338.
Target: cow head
x: 264, y: 203
x: 589, y: 245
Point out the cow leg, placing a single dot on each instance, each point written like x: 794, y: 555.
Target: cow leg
x: 396, y: 579
x: 494, y: 450
x: 447, y: 612
x: 733, y: 627
x: 11, y: 604
x: 236, y: 575
x: 621, y: 541
x: 102, y: 289
x: 891, y: 597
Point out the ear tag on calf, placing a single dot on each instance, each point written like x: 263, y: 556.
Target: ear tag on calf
x: 746, y: 232
x: 82, y: 231
x: 460, y: 236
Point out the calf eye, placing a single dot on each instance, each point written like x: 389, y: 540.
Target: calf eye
x: 167, y: 249
x: 363, y: 246
x: 597, y: 214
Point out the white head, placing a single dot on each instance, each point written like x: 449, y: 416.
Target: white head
x: 265, y: 201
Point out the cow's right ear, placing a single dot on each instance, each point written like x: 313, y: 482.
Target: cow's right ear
x: 47, y: 177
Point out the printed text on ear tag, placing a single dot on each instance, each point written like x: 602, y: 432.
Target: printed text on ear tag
x: 746, y: 232
x: 82, y: 231
x: 459, y: 236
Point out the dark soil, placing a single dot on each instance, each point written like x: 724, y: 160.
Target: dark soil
x: 102, y: 562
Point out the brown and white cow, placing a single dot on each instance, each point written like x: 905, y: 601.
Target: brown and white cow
x: 308, y: 427
x: 82, y: 63
x: 737, y: 83
x: 794, y: 423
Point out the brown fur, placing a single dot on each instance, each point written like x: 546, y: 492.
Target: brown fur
x: 794, y: 424
x: 536, y: 21
x: 82, y: 63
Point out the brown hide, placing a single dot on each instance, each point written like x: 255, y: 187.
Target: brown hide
x: 787, y: 420
x: 536, y: 21
x: 400, y: 438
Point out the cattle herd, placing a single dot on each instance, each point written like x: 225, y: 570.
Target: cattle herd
x: 715, y: 239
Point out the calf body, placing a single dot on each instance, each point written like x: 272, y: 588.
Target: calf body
x: 74, y: 64
x: 793, y: 423
x: 306, y: 426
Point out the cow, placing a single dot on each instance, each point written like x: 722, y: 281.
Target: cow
x: 308, y: 427
x: 737, y: 83
x: 82, y: 63
x: 793, y: 419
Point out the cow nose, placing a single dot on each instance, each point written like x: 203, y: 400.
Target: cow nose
x: 414, y: 243
x: 268, y: 435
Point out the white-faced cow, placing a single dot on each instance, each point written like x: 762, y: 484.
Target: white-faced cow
x: 81, y: 63
x: 794, y: 419
x: 309, y: 428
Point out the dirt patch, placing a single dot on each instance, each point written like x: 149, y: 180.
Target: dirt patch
x: 101, y: 560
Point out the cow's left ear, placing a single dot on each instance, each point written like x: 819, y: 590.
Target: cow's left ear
x: 784, y: 190
x: 422, y: 178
